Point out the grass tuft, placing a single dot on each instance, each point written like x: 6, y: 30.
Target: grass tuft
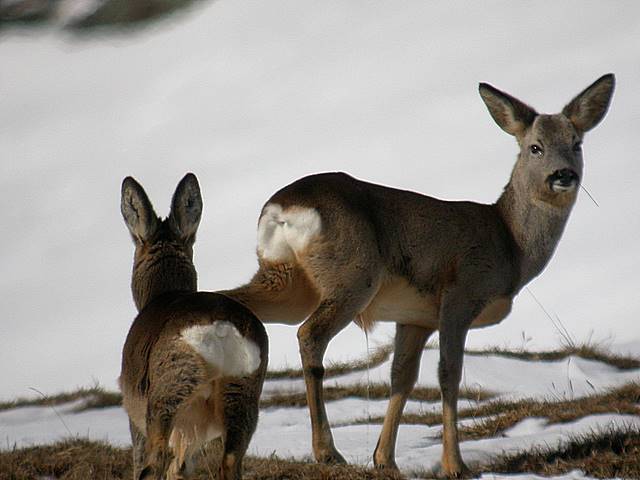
x: 496, y: 416
x: 72, y: 459
x: 501, y: 415
x: 604, y: 454
x: 587, y: 351
x: 77, y: 459
x: 376, y: 391
x: 96, y: 397
x: 334, y: 369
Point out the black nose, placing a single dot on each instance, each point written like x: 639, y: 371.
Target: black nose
x: 564, y: 177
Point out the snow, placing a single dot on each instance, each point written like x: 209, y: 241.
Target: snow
x: 252, y: 95
x: 419, y: 446
x: 571, y: 377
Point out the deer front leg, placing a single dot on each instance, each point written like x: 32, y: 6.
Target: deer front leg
x: 409, y: 343
x: 457, y: 313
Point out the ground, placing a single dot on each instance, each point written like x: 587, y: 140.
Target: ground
x: 571, y: 412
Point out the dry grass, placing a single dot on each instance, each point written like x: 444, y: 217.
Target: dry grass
x: 96, y: 397
x: 504, y: 415
x: 600, y: 454
x: 605, y: 454
x: 83, y: 460
x: 334, y: 369
x: 372, y: 392
x: 500, y: 415
x: 587, y: 350
x: 69, y: 460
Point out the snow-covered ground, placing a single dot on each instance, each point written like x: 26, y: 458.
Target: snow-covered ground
x: 251, y: 95
x: 419, y: 446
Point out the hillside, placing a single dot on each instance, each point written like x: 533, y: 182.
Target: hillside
x: 521, y: 412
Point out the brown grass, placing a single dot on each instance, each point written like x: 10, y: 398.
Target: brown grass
x: 96, y: 396
x: 373, y: 392
x: 74, y: 459
x: 504, y: 415
x: 500, y: 415
x: 83, y: 460
x: 604, y: 454
x: 587, y: 351
x: 334, y: 369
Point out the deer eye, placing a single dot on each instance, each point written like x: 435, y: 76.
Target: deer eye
x: 536, y: 150
x: 577, y: 147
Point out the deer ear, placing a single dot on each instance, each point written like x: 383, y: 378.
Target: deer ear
x: 137, y: 210
x: 513, y: 116
x: 589, y: 107
x: 186, y: 207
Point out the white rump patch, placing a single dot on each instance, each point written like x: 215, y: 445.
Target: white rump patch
x: 284, y: 233
x: 222, y: 347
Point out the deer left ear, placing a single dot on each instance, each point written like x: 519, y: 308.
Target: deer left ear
x: 590, y: 106
x: 186, y: 207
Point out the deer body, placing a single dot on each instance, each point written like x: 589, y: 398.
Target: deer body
x: 402, y: 281
x: 333, y: 249
x: 193, y: 363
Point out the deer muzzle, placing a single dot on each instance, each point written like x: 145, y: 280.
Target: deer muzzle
x: 564, y: 180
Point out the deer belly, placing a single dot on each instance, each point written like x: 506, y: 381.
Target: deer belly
x: 494, y: 312
x: 398, y: 301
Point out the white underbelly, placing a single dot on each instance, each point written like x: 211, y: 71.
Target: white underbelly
x: 397, y: 301
x: 494, y: 312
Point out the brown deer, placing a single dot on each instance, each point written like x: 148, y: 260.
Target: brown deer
x: 193, y: 363
x: 332, y: 249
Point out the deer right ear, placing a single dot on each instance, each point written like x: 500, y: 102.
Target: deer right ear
x: 186, y: 207
x: 512, y: 115
x: 137, y: 210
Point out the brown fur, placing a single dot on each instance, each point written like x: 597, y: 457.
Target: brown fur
x: 427, y: 264
x: 175, y: 399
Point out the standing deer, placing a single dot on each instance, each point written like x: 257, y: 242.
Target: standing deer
x: 193, y: 363
x: 332, y: 249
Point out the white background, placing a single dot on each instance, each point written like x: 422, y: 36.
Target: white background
x: 252, y: 95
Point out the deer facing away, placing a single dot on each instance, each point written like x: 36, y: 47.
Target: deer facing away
x: 193, y: 363
x: 332, y: 249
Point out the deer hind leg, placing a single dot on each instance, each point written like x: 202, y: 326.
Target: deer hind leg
x: 138, y: 443
x: 240, y: 399
x: 334, y: 313
x: 409, y: 343
x: 168, y: 393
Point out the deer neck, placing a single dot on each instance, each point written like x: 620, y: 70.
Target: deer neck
x: 153, y: 277
x: 536, y: 227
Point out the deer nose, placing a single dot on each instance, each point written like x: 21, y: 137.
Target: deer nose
x: 563, y: 180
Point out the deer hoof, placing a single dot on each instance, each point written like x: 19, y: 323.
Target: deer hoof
x: 331, y: 457
x: 459, y: 470
x: 388, y: 465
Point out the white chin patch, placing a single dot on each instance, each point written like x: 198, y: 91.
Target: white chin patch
x: 284, y: 233
x: 559, y: 188
x: 222, y: 347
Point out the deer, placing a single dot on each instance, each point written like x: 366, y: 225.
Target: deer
x: 333, y: 249
x: 193, y: 363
